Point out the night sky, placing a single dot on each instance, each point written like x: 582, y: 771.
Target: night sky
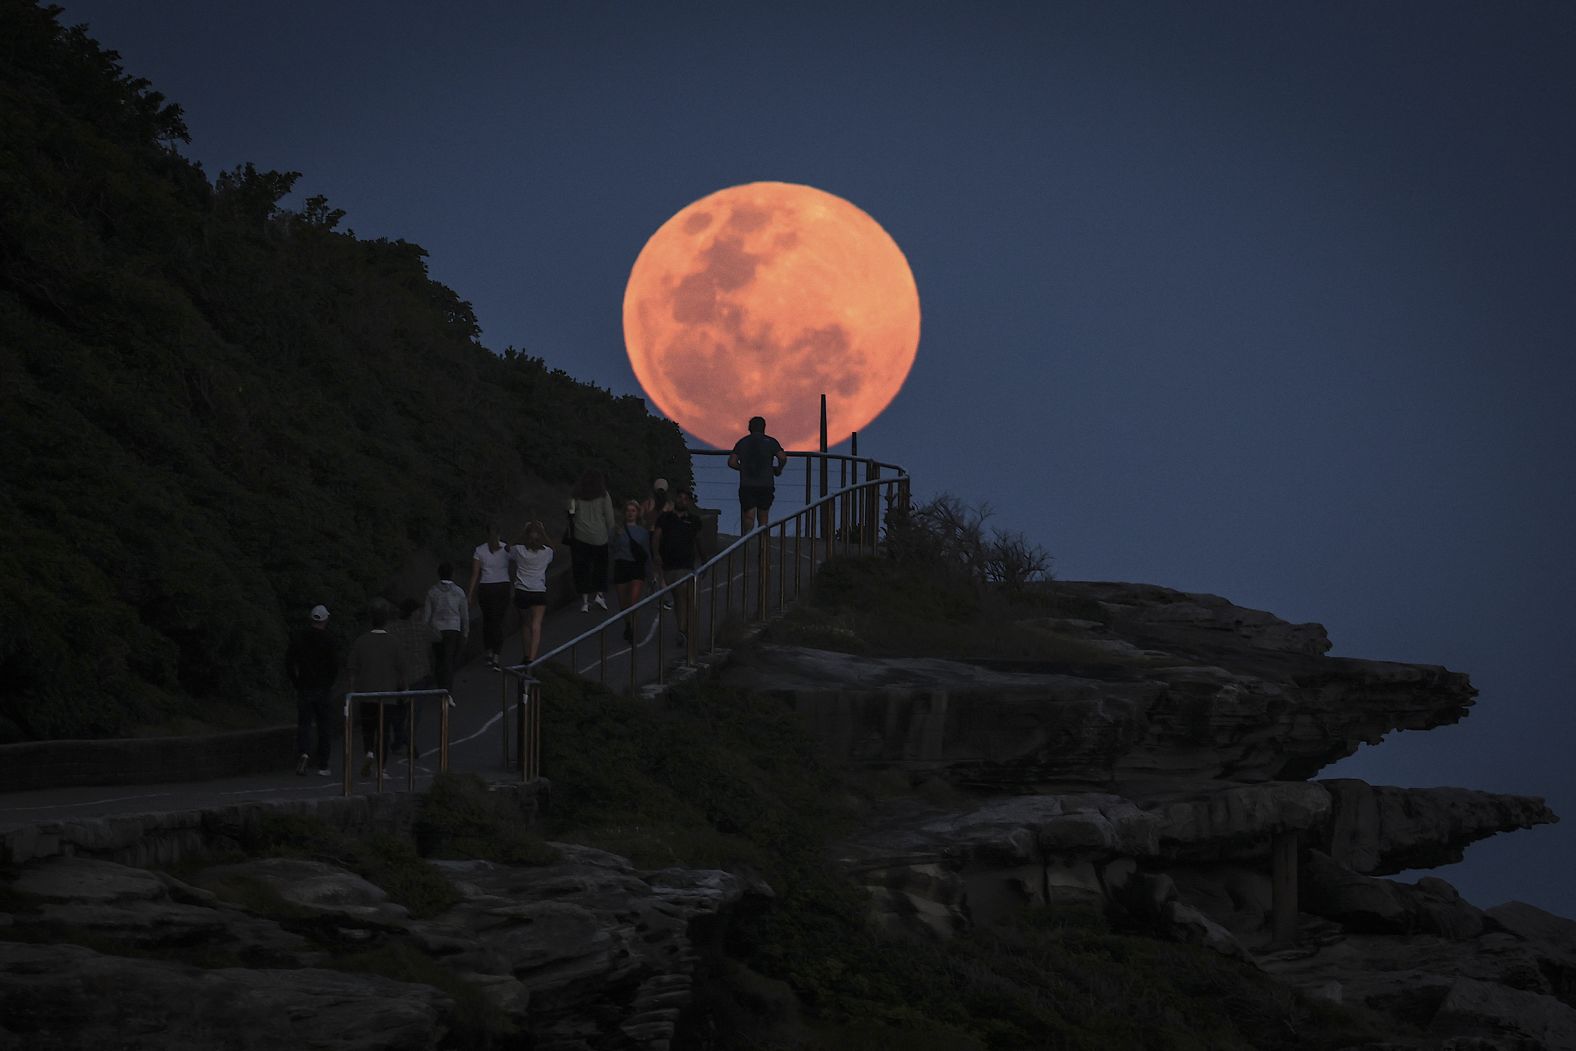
x: 1273, y: 301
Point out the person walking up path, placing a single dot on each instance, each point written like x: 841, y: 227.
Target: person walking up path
x: 447, y: 613
x: 311, y: 664
x: 675, y: 542
x: 490, y: 583
x: 591, y: 523
x: 531, y: 560
x: 759, y: 459
x: 631, y: 547
x: 415, y: 641
x: 376, y: 665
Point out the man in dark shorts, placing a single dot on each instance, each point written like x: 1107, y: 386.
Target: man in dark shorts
x: 759, y: 459
x: 674, y: 541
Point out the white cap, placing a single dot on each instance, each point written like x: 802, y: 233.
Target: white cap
x: 320, y: 613
x: 660, y: 483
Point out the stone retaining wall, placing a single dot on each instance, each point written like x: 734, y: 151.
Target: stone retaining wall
x: 163, y: 838
x: 33, y: 765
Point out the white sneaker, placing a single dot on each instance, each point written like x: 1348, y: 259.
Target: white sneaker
x: 585, y: 607
x: 325, y: 772
x: 600, y: 601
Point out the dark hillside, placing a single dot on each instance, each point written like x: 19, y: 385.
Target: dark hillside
x: 215, y: 412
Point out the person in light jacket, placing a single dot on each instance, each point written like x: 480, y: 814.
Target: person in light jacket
x: 448, y: 613
x: 591, y: 523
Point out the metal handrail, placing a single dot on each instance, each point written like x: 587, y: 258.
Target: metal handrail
x: 858, y: 504
x: 383, y: 698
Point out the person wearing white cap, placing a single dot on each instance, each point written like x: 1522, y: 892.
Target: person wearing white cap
x: 311, y: 664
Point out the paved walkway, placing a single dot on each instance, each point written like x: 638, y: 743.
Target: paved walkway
x: 478, y: 720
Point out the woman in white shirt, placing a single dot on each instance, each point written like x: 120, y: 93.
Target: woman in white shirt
x: 531, y: 560
x: 490, y: 584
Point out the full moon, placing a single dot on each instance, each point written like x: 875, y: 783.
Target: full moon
x: 758, y: 299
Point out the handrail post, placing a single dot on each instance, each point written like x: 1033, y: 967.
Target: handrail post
x: 443, y: 733
x: 410, y: 744
x: 379, y: 754
x: 503, y: 715
x: 763, y: 575
x: 691, y: 615
x: 346, y: 748
x: 522, y: 715
x: 782, y: 564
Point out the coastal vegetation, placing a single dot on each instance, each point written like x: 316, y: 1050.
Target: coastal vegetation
x: 218, y: 408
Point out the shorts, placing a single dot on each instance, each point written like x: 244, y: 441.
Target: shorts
x: 524, y: 599
x: 757, y: 496
x: 624, y: 571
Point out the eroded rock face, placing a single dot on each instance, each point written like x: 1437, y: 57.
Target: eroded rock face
x: 1256, y: 715
x: 66, y: 996
x: 586, y: 953
x: 1382, y: 830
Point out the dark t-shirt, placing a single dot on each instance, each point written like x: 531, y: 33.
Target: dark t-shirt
x: 756, y: 464
x: 313, y: 659
x: 679, y: 531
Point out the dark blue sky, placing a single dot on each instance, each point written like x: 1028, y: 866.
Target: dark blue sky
x: 1268, y: 300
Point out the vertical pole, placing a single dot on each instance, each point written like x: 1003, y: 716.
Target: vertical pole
x: 380, y: 753
x: 798, y: 532
x: 522, y: 716
x: 348, y: 758
x: 782, y: 564
x: 410, y: 741
x: 601, y: 656
x: 691, y: 614
x: 711, y: 609
x: 1283, y: 888
x: 763, y: 573
x: 826, y: 509
x: 503, y: 716
x: 443, y: 734
x: 633, y: 621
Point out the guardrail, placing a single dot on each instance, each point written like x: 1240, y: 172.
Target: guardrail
x: 383, y: 699
x: 849, y: 517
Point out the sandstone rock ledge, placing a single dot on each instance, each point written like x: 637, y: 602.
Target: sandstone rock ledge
x: 1155, y: 776
x: 584, y: 953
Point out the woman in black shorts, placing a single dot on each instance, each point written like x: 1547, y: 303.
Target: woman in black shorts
x: 530, y: 560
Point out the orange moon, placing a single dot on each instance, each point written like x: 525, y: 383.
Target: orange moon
x: 756, y: 300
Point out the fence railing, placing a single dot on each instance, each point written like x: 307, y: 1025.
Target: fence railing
x: 846, y: 518
x: 383, y: 699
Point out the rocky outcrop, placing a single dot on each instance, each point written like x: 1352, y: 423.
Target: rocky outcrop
x: 1381, y: 830
x: 585, y: 953
x: 1257, y: 715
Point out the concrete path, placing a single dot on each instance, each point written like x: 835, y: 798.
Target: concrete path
x: 484, y: 703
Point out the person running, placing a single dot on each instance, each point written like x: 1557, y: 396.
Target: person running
x: 675, y: 541
x: 376, y: 665
x: 311, y: 664
x: 531, y: 560
x: 759, y: 459
x: 591, y: 523
x: 447, y: 614
x: 490, y: 584
x: 415, y: 640
x: 631, y: 547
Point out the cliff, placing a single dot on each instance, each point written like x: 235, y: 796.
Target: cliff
x: 1079, y: 838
